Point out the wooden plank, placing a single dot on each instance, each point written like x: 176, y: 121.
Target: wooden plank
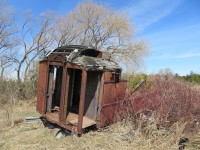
x: 72, y: 118
x: 50, y: 89
x: 86, y: 122
x: 64, y: 95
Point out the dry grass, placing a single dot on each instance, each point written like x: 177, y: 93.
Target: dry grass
x: 120, y: 135
x: 10, y: 115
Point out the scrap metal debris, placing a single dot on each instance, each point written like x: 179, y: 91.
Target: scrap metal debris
x: 32, y: 120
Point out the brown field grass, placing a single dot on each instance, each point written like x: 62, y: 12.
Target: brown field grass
x: 16, y: 135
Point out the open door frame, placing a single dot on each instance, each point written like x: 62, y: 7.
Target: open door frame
x: 82, y: 101
x: 64, y: 98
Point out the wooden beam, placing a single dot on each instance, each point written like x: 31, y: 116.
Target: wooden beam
x: 50, y: 89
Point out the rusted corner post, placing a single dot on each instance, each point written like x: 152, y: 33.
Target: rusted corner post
x: 42, y: 87
x: 82, y: 102
x: 64, y: 95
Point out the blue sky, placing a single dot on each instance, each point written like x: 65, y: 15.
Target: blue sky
x: 171, y: 28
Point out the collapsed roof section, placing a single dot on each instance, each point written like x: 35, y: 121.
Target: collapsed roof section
x: 89, y: 58
x: 91, y: 63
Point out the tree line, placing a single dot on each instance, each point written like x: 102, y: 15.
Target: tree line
x: 192, y: 77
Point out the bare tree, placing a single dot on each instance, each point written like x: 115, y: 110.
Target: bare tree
x: 6, y: 27
x: 34, y: 40
x: 101, y: 27
x: 64, y: 31
x: 7, y: 36
x: 6, y: 61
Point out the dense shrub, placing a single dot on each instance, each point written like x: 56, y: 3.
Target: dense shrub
x: 11, y: 91
x: 165, y: 96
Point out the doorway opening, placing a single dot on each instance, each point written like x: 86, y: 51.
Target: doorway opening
x: 54, y: 88
x: 74, y: 91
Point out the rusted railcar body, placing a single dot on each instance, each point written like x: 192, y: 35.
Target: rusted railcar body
x: 78, y: 88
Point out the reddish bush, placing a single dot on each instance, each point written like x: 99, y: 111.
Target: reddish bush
x: 169, y: 98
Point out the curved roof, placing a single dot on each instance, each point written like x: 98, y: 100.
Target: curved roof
x: 67, y: 50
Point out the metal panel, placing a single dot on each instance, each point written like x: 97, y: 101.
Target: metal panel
x: 73, y: 66
x: 113, y: 93
x: 56, y: 63
x: 92, y: 94
x: 56, y: 58
x: 64, y: 95
x: 42, y: 87
x: 82, y: 101
x: 108, y: 76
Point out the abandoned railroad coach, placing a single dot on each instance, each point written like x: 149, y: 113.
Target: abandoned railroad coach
x: 78, y: 88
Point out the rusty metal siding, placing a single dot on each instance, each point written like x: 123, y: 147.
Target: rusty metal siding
x: 100, y: 55
x: 42, y: 87
x: 113, y: 93
x: 108, y: 76
x: 56, y: 59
